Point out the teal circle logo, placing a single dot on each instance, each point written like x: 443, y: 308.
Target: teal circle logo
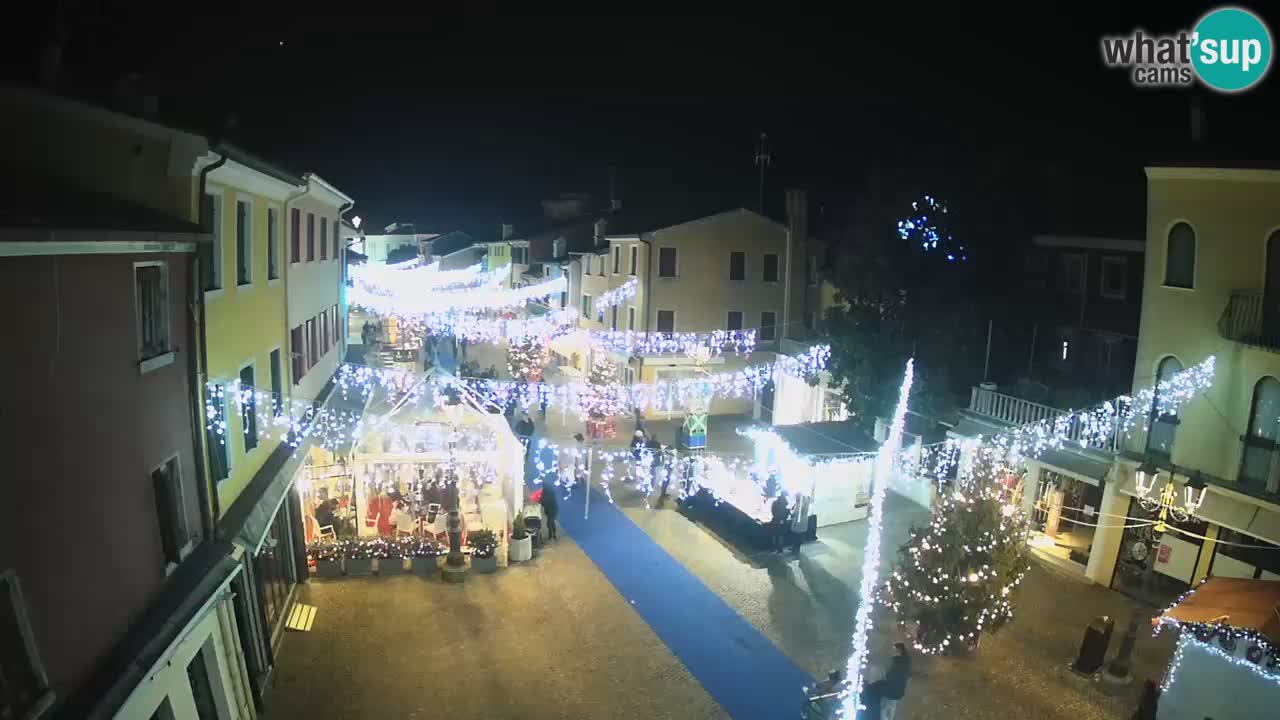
x: 1231, y: 49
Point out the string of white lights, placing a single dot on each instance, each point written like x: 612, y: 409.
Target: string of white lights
x: 633, y: 342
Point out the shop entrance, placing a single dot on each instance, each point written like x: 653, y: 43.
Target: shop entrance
x: 1065, y: 516
x: 1157, y: 572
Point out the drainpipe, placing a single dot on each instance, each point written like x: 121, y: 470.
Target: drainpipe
x: 198, y: 362
x: 648, y: 291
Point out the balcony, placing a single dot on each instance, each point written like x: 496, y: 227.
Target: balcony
x: 1015, y: 411
x: 1248, y: 320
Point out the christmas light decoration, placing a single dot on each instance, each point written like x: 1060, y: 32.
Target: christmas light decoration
x: 886, y: 460
x: 632, y: 342
x: 926, y: 226
x: 526, y: 359
x: 470, y: 299
x: 615, y: 296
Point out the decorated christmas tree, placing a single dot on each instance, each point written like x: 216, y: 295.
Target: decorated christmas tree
x: 958, y: 576
x: 526, y: 359
x: 602, y: 401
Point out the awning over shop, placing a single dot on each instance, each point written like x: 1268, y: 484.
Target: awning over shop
x: 1239, y: 603
x: 1082, y: 466
x: 246, y: 522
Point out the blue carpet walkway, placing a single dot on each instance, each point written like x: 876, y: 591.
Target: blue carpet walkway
x: 739, y: 667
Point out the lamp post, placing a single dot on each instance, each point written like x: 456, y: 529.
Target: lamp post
x: 455, y: 567
x: 1165, y: 505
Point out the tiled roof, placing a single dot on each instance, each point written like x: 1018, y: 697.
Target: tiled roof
x: 39, y: 203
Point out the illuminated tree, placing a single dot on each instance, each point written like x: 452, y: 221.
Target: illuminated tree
x: 526, y: 359
x: 958, y: 576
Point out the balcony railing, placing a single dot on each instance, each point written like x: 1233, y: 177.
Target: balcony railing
x: 1017, y: 411
x: 1248, y: 320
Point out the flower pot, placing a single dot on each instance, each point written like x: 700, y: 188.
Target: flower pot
x: 521, y: 549
x: 328, y: 568
x: 391, y: 566
x: 359, y: 567
x: 426, y: 565
x: 484, y: 564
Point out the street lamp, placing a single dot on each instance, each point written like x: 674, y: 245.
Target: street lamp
x: 455, y: 563
x: 1164, y: 504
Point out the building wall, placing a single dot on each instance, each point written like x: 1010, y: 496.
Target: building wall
x: 83, y: 429
x: 702, y: 293
x: 1232, y: 218
x: 243, y: 325
x: 314, y: 288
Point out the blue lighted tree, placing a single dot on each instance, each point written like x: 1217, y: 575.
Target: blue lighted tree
x: 928, y: 229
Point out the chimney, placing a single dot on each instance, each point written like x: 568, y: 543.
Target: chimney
x: 507, y: 231
x: 797, y: 290
x: 1197, y: 120
x: 615, y: 204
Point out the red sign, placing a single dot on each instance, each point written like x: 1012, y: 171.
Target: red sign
x: 1162, y: 557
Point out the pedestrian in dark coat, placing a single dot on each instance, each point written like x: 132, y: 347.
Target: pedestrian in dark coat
x: 550, y: 510
x: 893, y: 686
x: 778, y: 527
x: 1149, y: 702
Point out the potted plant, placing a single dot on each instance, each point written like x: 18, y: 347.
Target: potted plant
x: 358, y: 556
x: 391, y: 555
x: 521, y: 544
x: 424, y: 553
x: 484, y: 549
x: 328, y: 558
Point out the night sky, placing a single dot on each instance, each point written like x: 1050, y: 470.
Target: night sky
x: 457, y: 118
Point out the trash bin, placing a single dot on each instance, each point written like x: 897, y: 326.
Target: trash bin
x: 1093, y: 649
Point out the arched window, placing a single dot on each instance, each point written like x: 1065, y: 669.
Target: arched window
x: 1258, y: 468
x: 1180, y: 262
x: 1163, y: 425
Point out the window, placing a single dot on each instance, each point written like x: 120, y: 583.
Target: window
x: 297, y: 352
x: 586, y: 307
x: 737, y: 266
x: 601, y: 264
x: 588, y: 259
x: 311, y: 237
x: 324, y: 238
x: 277, y: 384
x: 1071, y: 273
x: 667, y: 262
x: 249, y: 413
x: 151, y: 295
x: 771, y: 267
x: 313, y: 344
x: 273, y: 571
x: 614, y: 324
x: 768, y: 321
x: 24, y: 688
x: 1164, y: 424
x: 335, y: 239
x: 324, y: 333
x: 295, y: 236
x: 201, y: 687
x: 519, y: 255
x: 1114, y: 278
x: 666, y: 321
x: 734, y: 321
x: 1180, y: 264
x: 631, y: 318
x: 244, y: 243
x: 617, y: 258
x: 564, y: 298
x: 219, y: 459
x: 635, y: 255
x: 1258, y: 468
x: 171, y: 510
x: 273, y: 244
x: 557, y: 247
x: 212, y: 260
x: 337, y: 325
x: 811, y: 270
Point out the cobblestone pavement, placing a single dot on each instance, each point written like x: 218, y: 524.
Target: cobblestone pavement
x: 546, y: 639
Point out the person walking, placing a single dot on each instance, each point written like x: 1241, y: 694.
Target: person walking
x: 891, y: 688
x: 778, y: 527
x: 524, y: 431
x: 799, y: 523
x: 1149, y: 702
x: 550, y: 509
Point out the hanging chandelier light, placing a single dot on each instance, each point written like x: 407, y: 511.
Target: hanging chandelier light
x: 1165, y: 502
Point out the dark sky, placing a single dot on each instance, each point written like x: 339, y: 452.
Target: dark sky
x: 457, y: 117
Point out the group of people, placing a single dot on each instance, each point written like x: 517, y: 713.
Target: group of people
x: 789, y: 524
x: 370, y: 332
x: 880, y: 697
x: 642, y: 443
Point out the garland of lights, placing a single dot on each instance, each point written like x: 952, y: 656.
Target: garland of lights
x: 470, y: 299
x: 926, y: 226
x: 886, y: 461
x: 526, y: 359
x: 615, y: 296
x: 631, y: 342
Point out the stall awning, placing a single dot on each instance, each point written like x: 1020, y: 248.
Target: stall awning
x: 246, y: 522
x: 1245, y: 604
x: 1083, y: 467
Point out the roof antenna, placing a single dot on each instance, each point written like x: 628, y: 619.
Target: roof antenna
x: 762, y: 162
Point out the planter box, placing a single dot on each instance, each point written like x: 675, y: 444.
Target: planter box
x: 328, y: 568
x: 426, y: 565
x: 521, y: 550
x: 390, y: 566
x: 484, y: 565
x: 359, y: 567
